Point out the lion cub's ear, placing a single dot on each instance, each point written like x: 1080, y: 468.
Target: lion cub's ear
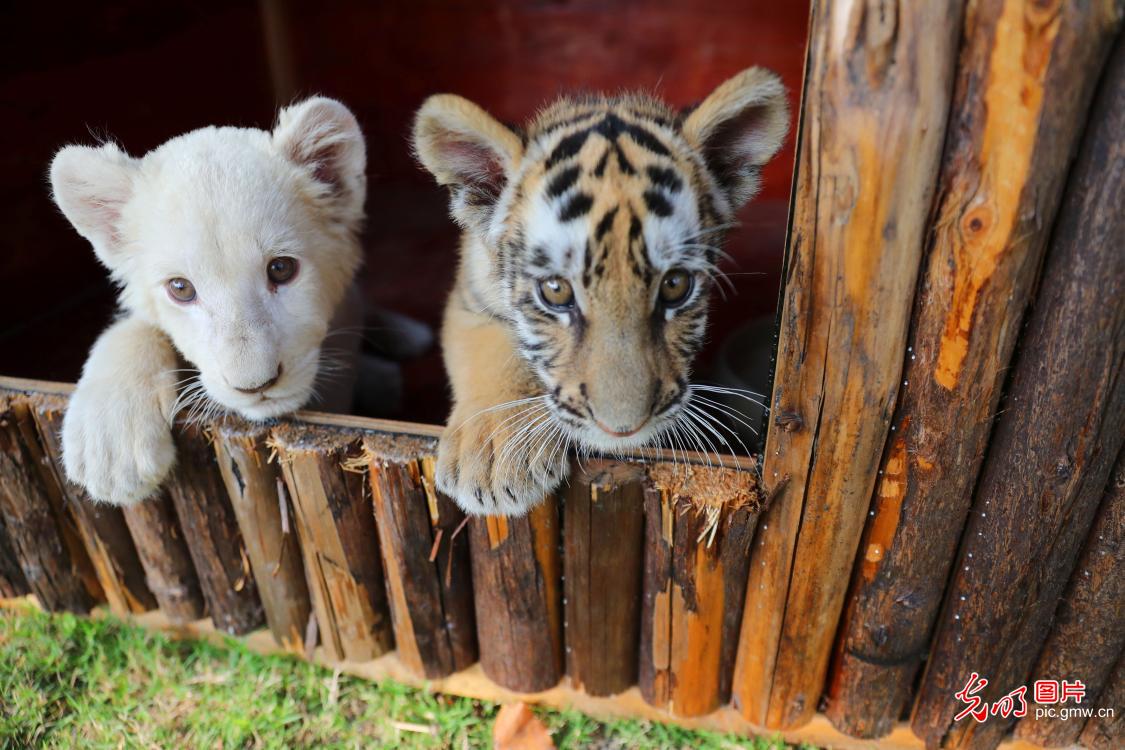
x: 466, y: 149
x: 323, y: 136
x: 91, y: 185
x: 739, y: 128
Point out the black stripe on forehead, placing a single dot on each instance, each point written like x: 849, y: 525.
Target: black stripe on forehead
x: 609, y: 127
x: 605, y: 224
x: 563, y: 181
x: 578, y: 205
x: 665, y: 178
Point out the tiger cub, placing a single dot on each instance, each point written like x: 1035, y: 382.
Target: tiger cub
x: 588, y: 254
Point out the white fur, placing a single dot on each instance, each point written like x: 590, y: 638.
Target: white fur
x: 213, y: 206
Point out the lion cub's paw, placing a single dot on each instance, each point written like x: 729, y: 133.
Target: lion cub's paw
x: 491, y: 465
x: 116, y: 443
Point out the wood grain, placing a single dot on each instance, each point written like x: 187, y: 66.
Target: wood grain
x: 325, y: 476
x: 877, y: 90
x: 698, y: 528
x: 603, y: 564
x: 1089, y: 630
x: 45, y: 542
x: 517, y: 593
x: 1024, y: 83
x: 212, y: 535
x: 163, y: 552
x: 269, y: 531
x: 1050, y: 456
x: 427, y: 566
x: 1108, y: 732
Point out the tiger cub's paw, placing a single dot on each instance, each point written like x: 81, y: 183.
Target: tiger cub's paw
x: 494, y: 465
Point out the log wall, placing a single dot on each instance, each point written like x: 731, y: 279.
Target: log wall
x: 935, y: 497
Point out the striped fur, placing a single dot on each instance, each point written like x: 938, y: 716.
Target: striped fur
x: 609, y: 194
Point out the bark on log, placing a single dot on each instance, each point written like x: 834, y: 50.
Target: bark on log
x: 50, y: 554
x: 1107, y: 732
x: 517, y: 594
x: 1052, y: 450
x: 698, y: 529
x: 603, y: 562
x: 325, y: 476
x: 212, y: 535
x: 1025, y: 79
x: 428, y: 572
x: 268, y: 529
x: 878, y: 85
x: 1089, y: 630
x: 101, y: 526
x: 12, y: 580
x: 169, y: 572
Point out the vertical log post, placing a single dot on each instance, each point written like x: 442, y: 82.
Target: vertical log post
x: 326, y: 480
x: 51, y: 557
x: 517, y: 593
x: 1105, y: 732
x: 101, y: 526
x: 1089, y: 630
x: 269, y: 532
x: 13, y: 583
x: 428, y: 572
x: 1026, y: 76
x: 169, y: 572
x: 212, y: 535
x: 699, y: 523
x: 603, y: 563
x: 1052, y: 450
x: 877, y: 90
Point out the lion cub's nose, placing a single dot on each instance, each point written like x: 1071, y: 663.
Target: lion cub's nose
x: 259, y: 388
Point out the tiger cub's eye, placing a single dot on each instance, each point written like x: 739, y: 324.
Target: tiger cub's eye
x: 557, y: 293
x: 180, y: 289
x: 282, y: 270
x: 675, y: 287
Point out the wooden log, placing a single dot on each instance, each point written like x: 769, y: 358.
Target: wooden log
x: 101, y: 526
x: 325, y: 477
x: 877, y: 90
x: 13, y: 583
x: 517, y: 594
x: 699, y: 523
x: 169, y: 572
x: 427, y: 566
x: 1105, y: 730
x: 212, y: 535
x: 260, y: 504
x: 52, y: 559
x: 1089, y: 630
x: 1026, y: 76
x: 603, y: 565
x: 1052, y: 450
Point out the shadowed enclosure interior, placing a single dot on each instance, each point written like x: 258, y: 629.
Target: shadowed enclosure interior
x: 942, y: 487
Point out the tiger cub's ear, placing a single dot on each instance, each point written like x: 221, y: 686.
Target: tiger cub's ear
x: 739, y: 128
x: 468, y: 150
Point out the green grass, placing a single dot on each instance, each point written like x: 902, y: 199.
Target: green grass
x: 67, y: 682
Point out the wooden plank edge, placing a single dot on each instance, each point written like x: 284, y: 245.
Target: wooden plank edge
x: 412, y: 429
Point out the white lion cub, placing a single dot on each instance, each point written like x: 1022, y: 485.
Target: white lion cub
x: 233, y: 247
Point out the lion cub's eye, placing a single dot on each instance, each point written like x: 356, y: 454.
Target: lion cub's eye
x: 282, y: 270
x: 675, y: 287
x: 180, y: 289
x: 557, y: 293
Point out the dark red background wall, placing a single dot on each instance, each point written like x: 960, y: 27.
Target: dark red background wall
x: 143, y: 72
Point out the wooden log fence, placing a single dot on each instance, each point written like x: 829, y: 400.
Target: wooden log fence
x: 1051, y: 452
x: 935, y: 496
x: 877, y: 90
x: 1026, y: 77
